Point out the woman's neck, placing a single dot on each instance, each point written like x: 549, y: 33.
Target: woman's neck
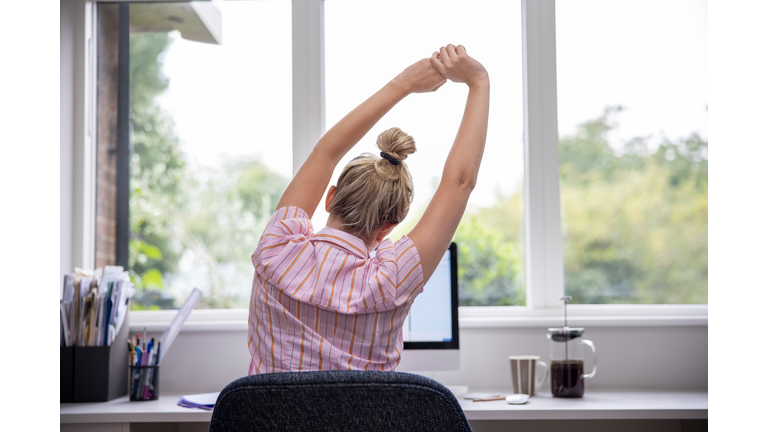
x: 336, y: 223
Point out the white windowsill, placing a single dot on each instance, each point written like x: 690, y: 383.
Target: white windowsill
x: 470, y: 317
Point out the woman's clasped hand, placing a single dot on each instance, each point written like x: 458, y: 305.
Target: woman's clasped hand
x: 449, y: 63
x: 455, y: 64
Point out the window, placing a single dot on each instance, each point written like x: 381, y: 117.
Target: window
x: 597, y: 190
x: 210, y: 114
x: 369, y: 43
x: 632, y: 118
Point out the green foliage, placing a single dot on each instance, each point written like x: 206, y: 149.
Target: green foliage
x: 488, y: 266
x: 141, y: 307
x: 157, y: 168
x: 634, y: 219
x: 228, y: 207
x: 146, y: 79
x: 211, y: 216
x: 152, y: 278
x: 634, y: 224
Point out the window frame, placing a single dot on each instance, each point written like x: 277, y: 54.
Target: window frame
x: 543, y: 237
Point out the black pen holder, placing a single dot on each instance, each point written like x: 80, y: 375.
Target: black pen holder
x: 143, y: 382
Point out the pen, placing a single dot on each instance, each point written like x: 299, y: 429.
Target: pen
x: 148, y: 373
x: 130, y: 352
x: 488, y: 399
x: 142, y: 373
x: 136, y: 375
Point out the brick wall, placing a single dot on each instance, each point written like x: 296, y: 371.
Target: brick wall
x: 106, y: 135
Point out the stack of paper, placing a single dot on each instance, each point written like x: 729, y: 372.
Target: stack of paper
x: 204, y: 401
x: 94, y: 305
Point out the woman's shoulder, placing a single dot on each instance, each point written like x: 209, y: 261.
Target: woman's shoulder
x: 399, y: 266
x: 399, y: 253
x: 286, y: 217
x: 288, y: 227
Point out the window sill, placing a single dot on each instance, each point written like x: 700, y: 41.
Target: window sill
x: 469, y: 317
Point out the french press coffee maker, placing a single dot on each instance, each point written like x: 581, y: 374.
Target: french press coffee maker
x: 566, y: 365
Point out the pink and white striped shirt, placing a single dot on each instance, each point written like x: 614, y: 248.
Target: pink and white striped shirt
x: 320, y: 302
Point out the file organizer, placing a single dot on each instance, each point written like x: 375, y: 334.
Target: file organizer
x: 66, y: 370
x: 99, y: 372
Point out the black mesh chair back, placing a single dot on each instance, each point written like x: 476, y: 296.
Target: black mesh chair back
x: 337, y: 401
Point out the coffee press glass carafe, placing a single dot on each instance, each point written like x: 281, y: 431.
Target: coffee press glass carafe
x: 566, y: 359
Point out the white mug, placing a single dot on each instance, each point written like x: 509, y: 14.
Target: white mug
x: 525, y: 372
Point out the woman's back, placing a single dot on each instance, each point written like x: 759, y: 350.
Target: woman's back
x: 319, y: 301
x: 324, y: 304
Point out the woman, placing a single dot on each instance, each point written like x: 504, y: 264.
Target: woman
x: 320, y: 300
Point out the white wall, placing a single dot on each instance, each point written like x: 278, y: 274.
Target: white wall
x: 66, y: 119
x: 629, y: 358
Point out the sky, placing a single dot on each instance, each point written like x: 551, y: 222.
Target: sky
x: 234, y: 100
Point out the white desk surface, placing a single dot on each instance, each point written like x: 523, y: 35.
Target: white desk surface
x: 595, y: 405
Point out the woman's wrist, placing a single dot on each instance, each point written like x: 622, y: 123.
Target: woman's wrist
x: 400, y: 87
x: 481, y: 80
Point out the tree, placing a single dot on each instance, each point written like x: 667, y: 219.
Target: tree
x: 157, y: 171
x: 228, y: 208
x: 634, y: 219
x: 634, y: 224
x: 212, y: 216
x: 489, y: 266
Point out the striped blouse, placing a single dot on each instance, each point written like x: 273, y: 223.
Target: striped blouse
x: 320, y: 302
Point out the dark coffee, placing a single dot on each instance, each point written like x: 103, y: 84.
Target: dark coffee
x: 566, y: 378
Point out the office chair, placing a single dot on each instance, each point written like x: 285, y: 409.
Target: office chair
x: 337, y: 401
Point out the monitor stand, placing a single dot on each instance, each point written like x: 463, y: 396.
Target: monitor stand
x: 429, y: 360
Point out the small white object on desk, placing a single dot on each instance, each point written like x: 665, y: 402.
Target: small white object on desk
x: 517, y: 399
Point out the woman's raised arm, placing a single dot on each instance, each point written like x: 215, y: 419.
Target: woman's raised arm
x: 308, y: 185
x: 434, y: 231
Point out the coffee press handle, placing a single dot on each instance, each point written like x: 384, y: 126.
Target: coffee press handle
x: 546, y: 372
x: 594, y: 359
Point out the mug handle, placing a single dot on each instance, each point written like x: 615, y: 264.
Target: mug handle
x: 594, y: 358
x: 546, y: 372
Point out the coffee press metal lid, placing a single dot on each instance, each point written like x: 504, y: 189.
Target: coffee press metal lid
x: 564, y: 334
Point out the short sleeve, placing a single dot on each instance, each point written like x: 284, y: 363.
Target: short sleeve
x: 400, y: 269
x: 289, y: 228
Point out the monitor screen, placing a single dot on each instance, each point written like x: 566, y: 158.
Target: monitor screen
x: 433, y: 319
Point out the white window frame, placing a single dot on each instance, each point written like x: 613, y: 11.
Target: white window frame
x: 543, y: 237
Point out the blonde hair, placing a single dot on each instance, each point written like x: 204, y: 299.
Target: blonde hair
x: 373, y: 191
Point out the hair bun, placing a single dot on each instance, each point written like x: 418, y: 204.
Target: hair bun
x: 396, y: 144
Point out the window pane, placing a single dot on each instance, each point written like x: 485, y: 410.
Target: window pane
x: 369, y: 43
x: 632, y: 111
x: 212, y: 144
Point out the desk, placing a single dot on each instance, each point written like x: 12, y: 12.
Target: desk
x: 596, y: 405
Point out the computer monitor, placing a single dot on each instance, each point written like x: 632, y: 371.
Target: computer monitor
x: 431, y: 329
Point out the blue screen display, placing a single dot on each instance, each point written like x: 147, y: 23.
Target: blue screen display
x: 430, y: 317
